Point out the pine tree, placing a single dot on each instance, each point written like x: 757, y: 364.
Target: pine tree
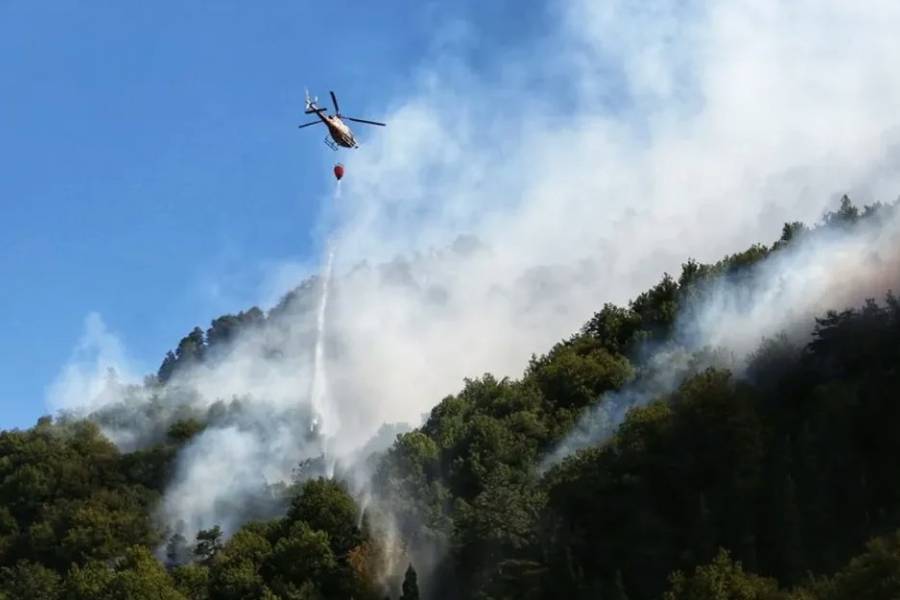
x: 167, y: 367
x: 410, y: 585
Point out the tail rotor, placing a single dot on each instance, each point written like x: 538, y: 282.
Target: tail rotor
x: 311, y: 103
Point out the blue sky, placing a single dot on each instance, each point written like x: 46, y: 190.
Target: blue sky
x: 151, y: 171
x: 150, y: 165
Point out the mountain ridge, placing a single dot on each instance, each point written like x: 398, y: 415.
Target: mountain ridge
x: 720, y: 457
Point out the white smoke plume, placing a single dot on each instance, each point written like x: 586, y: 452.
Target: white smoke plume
x: 91, y: 378
x: 501, y: 207
x: 828, y: 269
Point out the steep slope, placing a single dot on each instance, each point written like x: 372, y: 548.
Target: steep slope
x: 658, y: 434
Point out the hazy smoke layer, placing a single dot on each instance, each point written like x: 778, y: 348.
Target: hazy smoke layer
x: 829, y: 269
x: 507, y: 204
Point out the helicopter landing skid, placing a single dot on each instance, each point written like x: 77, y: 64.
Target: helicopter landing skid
x: 330, y: 144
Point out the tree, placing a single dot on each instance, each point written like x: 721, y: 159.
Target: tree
x: 223, y: 330
x: 410, y: 585
x: 209, y: 542
x: 191, y: 349
x: 658, y: 306
x: 501, y: 520
x: 180, y: 432
x: 326, y: 506
x: 614, y: 327
x: 874, y: 575
x: 167, y: 368
x: 192, y: 581
x: 790, y: 464
x: 845, y: 216
x: 140, y: 577
x: 789, y: 233
x: 302, y: 557
x: 137, y: 576
x: 722, y: 579
x: 574, y: 379
x: 90, y: 581
x: 27, y: 580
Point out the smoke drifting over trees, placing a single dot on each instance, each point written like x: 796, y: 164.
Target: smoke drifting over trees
x: 706, y: 441
x: 732, y: 422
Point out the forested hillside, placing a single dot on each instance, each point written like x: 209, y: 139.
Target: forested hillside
x: 772, y: 479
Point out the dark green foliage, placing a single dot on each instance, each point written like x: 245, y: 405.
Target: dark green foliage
x: 137, y: 576
x: 236, y: 571
x: 790, y: 233
x: 650, y: 316
x: 67, y: 496
x: 315, y: 551
x: 75, y: 522
x: 693, y: 273
x: 30, y: 581
x: 762, y: 485
x: 874, y: 575
x: 191, y: 348
x: 209, y: 542
x: 302, y: 556
x: 722, y: 579
x: 192, y: 581
x: 326, y: 506
x: 150, y: 467
x: 225, y: 329
x: 615, y: 327
x: 575, y: 374
x: 167, y: 368
x: 410, y: 585
x: 657, y: 307
x: 410, y: 477
x: 672, y: 468
x: 181, y: 432
x: 198, y: 346
x: 765, y: 466
x: 845, y: 216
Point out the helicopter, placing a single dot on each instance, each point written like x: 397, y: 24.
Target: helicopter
x: 338, y: 130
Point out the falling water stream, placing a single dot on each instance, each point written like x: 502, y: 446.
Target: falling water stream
x: 322, y: 421
x: 319, y: 383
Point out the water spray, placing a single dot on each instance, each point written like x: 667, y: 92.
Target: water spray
x: 318, y: 394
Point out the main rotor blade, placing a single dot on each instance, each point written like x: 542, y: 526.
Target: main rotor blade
x: 337, y: 110
x: 308, y: 124
x: 366, y: 122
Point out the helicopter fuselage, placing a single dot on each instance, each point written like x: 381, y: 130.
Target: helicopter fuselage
x: 339, y: 131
